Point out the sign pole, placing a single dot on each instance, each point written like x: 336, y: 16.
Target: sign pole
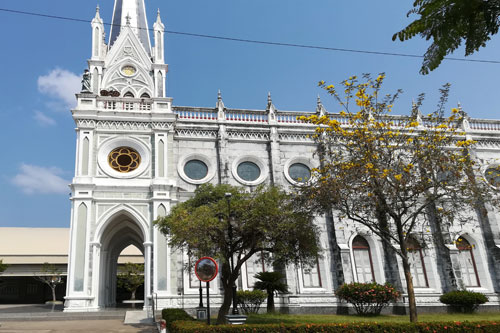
x: 208, y: 302
x: 201, y: 297
x: 206, y: 270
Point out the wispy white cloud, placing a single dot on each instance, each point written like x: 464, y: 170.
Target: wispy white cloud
x: 43, y: 119
x: 35, y: 179
x: 61, y: 85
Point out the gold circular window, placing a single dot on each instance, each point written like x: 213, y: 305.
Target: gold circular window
x: 124, y: 159
x: 128, y: 70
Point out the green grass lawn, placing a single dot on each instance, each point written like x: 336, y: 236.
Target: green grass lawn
x: 298, y: 319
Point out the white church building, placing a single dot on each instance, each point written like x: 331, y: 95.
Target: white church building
x: 138, y: 155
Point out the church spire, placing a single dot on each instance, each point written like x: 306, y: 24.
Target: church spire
x: 159, y: 49
x: 133, y: 11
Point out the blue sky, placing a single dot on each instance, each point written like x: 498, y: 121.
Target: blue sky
x: 43, y: 58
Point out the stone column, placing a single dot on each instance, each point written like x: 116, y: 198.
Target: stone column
x: 147, y: 273
x: 441, y: 237
x: 490, y: 232
x: 96, y: 278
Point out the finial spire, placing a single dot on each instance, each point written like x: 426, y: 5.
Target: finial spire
x: 269, y: 99
x: 220, y: 106
x: 97, y: 9
x: 320, y: 108
x: 128, y: 17
x: 158, y: 17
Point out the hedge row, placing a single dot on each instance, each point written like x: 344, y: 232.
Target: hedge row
x: 171, y: 315
x: 434, y: 327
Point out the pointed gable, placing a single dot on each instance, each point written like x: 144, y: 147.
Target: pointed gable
x: 128, y: 51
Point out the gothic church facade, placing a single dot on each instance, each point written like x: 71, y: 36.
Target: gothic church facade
x: 138, y: 155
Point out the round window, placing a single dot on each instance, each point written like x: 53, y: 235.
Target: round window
x: 196, y: 169
x: 128, y: 70
x: 492, y: 175
x: 299, y: 172
x: 248, y: 171
x: 124, y: 159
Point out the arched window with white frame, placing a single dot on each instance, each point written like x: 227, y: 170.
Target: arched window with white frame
x: 362, y: 260
x: 468, y: 266
x: 256, y: 264
x: 417, y: 264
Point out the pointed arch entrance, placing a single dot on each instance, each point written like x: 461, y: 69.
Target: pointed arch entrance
x: 117, y: 233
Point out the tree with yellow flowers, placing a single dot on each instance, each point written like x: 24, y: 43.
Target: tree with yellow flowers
x: 385, y: 171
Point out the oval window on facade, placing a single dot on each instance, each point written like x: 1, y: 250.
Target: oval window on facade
x: 299, y: 172
x: 492, y: 175
x: 196, y: 169
x: 128, y: 70
x: 124, y: 159
x: 248, y: 171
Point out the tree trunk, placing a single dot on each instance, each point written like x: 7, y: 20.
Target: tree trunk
x: 406, y: 268
x: 270, y: 301
x: 53, y: 293
x: 411, y: 292
x: 226, y: 305
x: 132, y: 297
x: 227, y: 284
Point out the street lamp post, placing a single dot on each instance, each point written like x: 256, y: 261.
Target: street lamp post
x: 230, y: 234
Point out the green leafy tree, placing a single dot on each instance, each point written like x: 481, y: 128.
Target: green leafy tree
x: 450, y: 22
x: 51, y: 276
x: 266, y: 219
x: 271, y: 282
x: 3, y: 266
x: 385, y: 172
x: 131, y: 278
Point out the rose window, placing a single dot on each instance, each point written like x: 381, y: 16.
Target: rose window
x: 124, y: 159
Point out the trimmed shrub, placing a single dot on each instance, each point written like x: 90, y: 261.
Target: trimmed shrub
x: 450, y: 327
x: 463, y: 300
x: 368, y: 298
x: 250, y: 300
x: 171, y: 315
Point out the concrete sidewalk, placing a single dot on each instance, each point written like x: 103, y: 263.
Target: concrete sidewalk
x: 42, y: 312
x: 87, y: 326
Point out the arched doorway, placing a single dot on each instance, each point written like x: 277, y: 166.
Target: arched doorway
x: 119, y: 233
x: 130, y: 277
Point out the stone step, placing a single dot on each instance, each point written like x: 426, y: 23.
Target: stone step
x: 138, y: 317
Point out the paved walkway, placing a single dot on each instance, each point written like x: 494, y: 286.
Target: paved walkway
x: 87, y: 326
x: 41, y: 318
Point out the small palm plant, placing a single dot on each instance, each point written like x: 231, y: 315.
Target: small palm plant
x: 271, y: 282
